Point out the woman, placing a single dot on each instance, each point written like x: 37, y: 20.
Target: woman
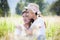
x: 22, y: 31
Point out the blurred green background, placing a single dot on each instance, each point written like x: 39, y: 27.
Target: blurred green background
x: 10, y: 13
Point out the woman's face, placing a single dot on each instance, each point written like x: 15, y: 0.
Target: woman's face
x: 26, y: 18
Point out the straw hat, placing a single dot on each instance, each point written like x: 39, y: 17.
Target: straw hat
x: 34, y: 7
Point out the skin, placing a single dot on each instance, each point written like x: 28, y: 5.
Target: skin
x: 26, y: 17
x: 31, y: 15
x: 27, y: 22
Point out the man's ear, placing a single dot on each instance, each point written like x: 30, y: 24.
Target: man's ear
x: 36, y: 13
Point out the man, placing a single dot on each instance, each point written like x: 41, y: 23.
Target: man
x: 38, y: 27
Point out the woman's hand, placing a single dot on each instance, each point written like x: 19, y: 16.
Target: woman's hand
x: 19, y: 27
x: 29, y: 32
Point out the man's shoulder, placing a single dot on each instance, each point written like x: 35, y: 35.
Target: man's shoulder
x: 40, y: 19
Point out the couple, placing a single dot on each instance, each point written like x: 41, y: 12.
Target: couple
x: 33, y: 27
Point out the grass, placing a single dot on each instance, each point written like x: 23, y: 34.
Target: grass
x: 53, y: 25
x: 7, y: 24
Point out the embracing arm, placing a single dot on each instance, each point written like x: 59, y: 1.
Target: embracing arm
x: 29, y: 32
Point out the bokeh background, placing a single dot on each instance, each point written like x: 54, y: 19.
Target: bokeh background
x: 10, y: 15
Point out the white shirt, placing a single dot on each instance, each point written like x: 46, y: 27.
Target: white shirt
x: 21, y: 34
x: 20, y: 31
x: 39, y: 25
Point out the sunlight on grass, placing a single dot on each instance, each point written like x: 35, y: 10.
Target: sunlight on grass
x: 53, y: 25
x: 7, y: 25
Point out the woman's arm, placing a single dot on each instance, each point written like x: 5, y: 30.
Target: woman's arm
x: 29, y: 32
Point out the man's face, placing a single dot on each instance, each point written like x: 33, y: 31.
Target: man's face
x: 30, y: 14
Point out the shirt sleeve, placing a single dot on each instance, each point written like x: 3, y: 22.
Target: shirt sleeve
x: 17, y: 31
x: 40, y: 27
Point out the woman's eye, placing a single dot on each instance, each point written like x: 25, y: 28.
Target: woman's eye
x: 26, y: 16
x: 23, y: 16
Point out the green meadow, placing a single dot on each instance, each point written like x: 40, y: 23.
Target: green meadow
x: 7, y: 25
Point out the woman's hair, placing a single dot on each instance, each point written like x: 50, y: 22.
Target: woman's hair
x: 25, y: 11
x: 31, y: 20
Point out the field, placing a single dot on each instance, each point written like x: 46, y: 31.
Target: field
x: 7, y: 25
